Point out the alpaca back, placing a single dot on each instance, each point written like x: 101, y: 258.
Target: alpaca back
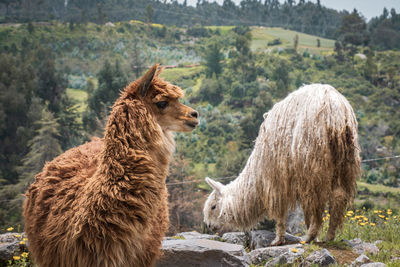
x: 309, y: 144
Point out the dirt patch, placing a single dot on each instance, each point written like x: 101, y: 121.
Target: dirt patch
x: 342, y: 254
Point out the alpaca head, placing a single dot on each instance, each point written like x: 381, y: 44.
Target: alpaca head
x: 212, y: 211
x: 162, y: 98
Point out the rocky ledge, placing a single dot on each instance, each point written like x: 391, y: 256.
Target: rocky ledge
x: 200, y: 250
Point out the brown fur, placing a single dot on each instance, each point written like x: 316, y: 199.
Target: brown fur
x: 104, y: 203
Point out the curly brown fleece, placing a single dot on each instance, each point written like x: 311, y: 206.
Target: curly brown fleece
x: 104, y: 203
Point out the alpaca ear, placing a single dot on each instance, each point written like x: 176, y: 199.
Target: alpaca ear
x: 159, y: 70
x: 145, y: 80
x: 217, y: 186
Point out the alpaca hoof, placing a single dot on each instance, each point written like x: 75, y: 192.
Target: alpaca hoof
x: 278, y: 241
x: 329, y: 237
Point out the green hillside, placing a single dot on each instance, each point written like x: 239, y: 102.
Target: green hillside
x: 75, y: 73
x: 263, y: 35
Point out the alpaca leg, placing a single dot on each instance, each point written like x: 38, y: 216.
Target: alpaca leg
x: 307, y: 217
x: 280, y: 231
x: 337, y: 209
x: 315, y: 226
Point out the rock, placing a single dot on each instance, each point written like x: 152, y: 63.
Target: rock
x: 281, y: 260
x: 10, y: 246
x: 201, y: 253
x: 321, y: 257
x: 110, y: 24
x: 362, y: 248
x: 360, y: 56
x: 263, y: 238
x: 239, y: 238
x: 196, y: 235
x: 374, y: 264
x: 294, y: 224
x: 260, y: 255
x: 360, y: 260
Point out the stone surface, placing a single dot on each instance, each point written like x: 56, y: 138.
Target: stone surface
x: 362, y: 248
x: 197, y: 235
x: 362, y: 259
x: 10, y: 246
x: 374, y: 264
x: 263, y: 238
x: 202, y: 253
x: 239, y: 238
x: 260, y: 255
x: 294, y: 224
x: 321, y: 257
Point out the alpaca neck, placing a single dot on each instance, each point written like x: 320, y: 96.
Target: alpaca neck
x: 242, y: 204
x: 130, y: 141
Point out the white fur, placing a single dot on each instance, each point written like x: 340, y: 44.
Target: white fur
x: 292, y: 155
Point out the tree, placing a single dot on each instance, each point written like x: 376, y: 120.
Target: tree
x: 318, y: 42
x: 51, y: 83
x: 339, y: 51
x: 353, y: 30
x: 101, y: 16
x: 149, y: 13
x: 17, y: 85
x: 111, y: 81
x: 138, y: 60
x: 44, y: 146
x: 31, y: 28
x: 370, y: 68
x: 213, y: 57
x: 296, y: 42
x: 280, y: 74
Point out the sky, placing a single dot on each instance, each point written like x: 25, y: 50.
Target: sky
x: 368, y: 8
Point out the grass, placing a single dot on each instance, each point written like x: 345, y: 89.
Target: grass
x: 222, y: 29
x: 175, y: 74
x: 80, y: 97
x: 378, y: 188
x: 263, y: 35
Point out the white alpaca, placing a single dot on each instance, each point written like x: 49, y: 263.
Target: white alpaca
x: 306, y: 153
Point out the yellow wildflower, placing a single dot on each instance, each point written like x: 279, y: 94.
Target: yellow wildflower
x: 294, y: 250
x: 389, y: 212
x: 24, y: 254
x: 10, y: 229
x: 372, y: 224
x: 16, y: 258
x: 376, y: 211
x: 25, y: 239
x: 381, y: 216
x: 302, y: 242
x: 17, y: 235
x: 22, y: 243
x: 363, y: 223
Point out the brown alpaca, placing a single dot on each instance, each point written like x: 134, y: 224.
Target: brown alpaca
x: 104, y: 203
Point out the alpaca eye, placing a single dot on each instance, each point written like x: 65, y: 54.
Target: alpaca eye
x: 162, y: 104
x: 213, y: 207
